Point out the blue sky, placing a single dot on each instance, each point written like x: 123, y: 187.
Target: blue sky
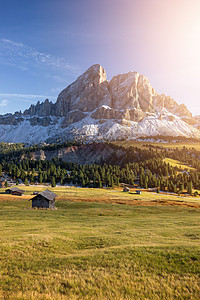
x: 45, y: 45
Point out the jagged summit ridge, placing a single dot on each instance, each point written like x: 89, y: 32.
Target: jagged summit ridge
x: 85, y: 93
x: 94, y: 108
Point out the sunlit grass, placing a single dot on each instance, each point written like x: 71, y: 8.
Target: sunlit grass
x: 106, y: 195
x: 176, y: 163
x: 87, y: 250
x: 142, y: 144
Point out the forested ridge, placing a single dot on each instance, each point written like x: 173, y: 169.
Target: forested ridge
x: 145, y: 168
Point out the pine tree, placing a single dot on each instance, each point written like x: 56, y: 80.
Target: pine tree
x: 117, y: 181
x: 53, y: 182
x: 100, y: 183
x: 189, y: 188
x: 26, y: 181
x: 40, y: 178
x: 112, y: 182
x: 181, y: 187
x: 83, y: 182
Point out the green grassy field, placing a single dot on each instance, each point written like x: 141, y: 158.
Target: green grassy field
x: 106, y: 195
x: 177, y: 163
x: 88, y: 250
x: 142, y: 144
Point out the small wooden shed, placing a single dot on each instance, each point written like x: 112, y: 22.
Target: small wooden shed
x: 45, y: 199
x: 35, y: 192
x: 15, y: 191
x: 138, y: 192
x: 126, y: 189
x: 2, y: 183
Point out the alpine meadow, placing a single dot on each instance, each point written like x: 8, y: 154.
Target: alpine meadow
x: 99, y: 150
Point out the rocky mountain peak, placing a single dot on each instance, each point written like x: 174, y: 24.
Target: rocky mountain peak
x: 96, y: 74
x: 85, y: 93
x: 91, y: 92
x: 45, y: 108
x: 94, y: 108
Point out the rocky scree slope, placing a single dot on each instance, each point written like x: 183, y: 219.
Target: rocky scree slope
x: 92, y: 108
x: 83, y: 154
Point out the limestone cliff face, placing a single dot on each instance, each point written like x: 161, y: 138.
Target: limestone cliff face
x: 86, y: 93
x: 45, y: 108
x: 93, y: 106
x: 123, y: 91
x: 131, y: 91
x: 127, y: 96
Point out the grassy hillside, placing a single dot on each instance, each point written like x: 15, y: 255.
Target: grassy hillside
x: 167, y: 145
x: 87, y: 250
x: 176, y: 163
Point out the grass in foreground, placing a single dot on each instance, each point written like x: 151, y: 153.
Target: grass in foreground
x: 98, y: 251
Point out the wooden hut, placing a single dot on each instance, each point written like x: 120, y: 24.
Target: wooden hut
x: 138, y: 192
x: 45, y: 199
x: 15, y: 191
x: 126, y: 189
x: 36, y: 193
x: 2, y: 183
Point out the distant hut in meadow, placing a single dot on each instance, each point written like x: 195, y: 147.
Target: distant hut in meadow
x: 36, y: 193
x: 45, y: 199
x: 2, y: 183
x: 138, y: 192
x: 126, y: 189
x: 15, y: 191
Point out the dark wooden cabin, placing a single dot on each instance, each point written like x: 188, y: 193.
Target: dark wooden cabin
x: 45, y: 199
x: 15, y: 191
x: 2, y: 183
x: 36, y: 193
x: 138, y: 192
x: 126, y: 189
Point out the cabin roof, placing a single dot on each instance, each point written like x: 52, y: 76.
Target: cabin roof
x: 47, y: 194
x: 16, y: 189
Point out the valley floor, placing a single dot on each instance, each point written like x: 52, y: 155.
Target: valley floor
x: 93, y: 247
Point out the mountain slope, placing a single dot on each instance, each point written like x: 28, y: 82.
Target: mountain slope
x: 83, y: 154
x: 96, y: 109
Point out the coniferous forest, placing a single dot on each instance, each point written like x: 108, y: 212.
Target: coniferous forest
x: 145, y: 168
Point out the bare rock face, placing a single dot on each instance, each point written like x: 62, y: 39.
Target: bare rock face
x: 130, y: 91
x: 86, y: 93
x: 9, y: 119
x: 45, y: 108
x: 136, y: 115
x: 145, y: 92
x: 45, y: 121
x: 190, y: 121
x: 127, y: 96
x: 172, y: 106
x: 170, y: 103
x: 84, y: 154
x: 92, y: 107
x: 158, y: 101
x: 73, y: 117
x: 123, y: 91
x: 183, y: 111
x: 106, y: 113
x: 197, y: 119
